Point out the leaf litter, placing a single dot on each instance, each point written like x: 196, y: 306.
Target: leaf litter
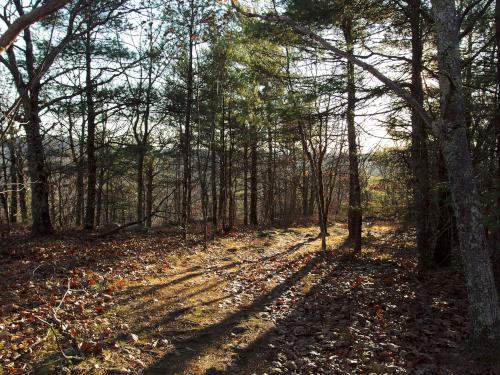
x: 255, y: 302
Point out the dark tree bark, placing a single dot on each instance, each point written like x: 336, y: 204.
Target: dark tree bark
x: 149, y: 192
x: 37, y: 167
x: 140, y: 184
x: 444, y: 231
x: 142, y: 137
x: 22, y: 191
x: 311, y: 206
x: 80, y: 174
x: 419, y: 152
x: 222, y: 168
x: 496, y: 120
x: 484, y: 310
x: 14, y: 182
x: 91, y: 131
x: 213, y: 177
x: 78, y: 161
x: 4, y: 188
x: 245, y: 184
x: 230, y: 194
x: 25, y: 20
x: 354, y: 214
x: 186, y: 180
x: 305, y: 189
x: 99, y: 195
x: 253, y: 182
x: 269, y: 194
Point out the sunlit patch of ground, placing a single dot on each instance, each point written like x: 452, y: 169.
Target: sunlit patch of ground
x: 148, y: 303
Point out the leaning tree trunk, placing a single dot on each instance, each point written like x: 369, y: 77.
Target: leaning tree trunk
x: 419, y: 153
x: 484, y: 311
x: 354, y: 212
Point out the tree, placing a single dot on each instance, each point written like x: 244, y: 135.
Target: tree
x: 484, y: 310
x: 27, y: 69
x: 25, y: 20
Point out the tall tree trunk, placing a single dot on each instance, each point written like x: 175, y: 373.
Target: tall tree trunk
x: 143, y: 140
x: 270, y: 177
x: 186, y: 180
x: 316, y: 166
x: 484, y: 311
x: 419, y: 153
x: 312, y: 197
x: 52, y: 197
x: 292, y: 213
x: 100, y: 188
x: 60, y: 203
x: 22, y: 191
x: 245, y: 184
x: 444, y: 230
x: 4, y: 189
x: 320, y: 200
x: 253, y: 182
x: 354, y: 212
x: 222, y: 170
x: 106, y: 200
x: 305, y: 189
x: 230, y: 195
x: 149, y: 192
x: 38, y: 171
x: 80, y: 174
x: 91, y: 130
x: 213, y: 180
x: 14, y: 183
x: 140, y: 185
x: 496, y: 233
x: 80, y: 191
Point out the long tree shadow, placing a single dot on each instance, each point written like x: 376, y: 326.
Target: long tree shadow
x: 199, y: 341
x: 134, y: 293
x: 364, y: 316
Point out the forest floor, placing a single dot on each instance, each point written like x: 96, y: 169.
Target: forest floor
x: 254, y: 302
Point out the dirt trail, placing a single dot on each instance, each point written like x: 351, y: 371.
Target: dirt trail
x: 216, y: 302
x: 264, y: 302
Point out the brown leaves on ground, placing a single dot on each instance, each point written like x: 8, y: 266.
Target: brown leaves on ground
x: 253, y: 302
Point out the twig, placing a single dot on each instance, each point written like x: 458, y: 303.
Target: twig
x: 153, y: 214
x: 65, y: 294
x: 51, y: 327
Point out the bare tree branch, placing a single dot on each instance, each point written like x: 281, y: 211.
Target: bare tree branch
x: 393, y: 86
x: 25, y: 20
